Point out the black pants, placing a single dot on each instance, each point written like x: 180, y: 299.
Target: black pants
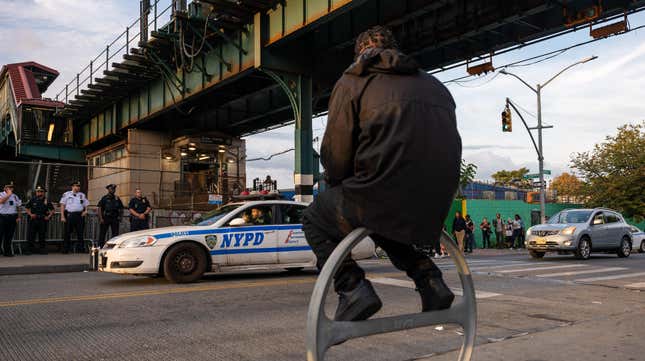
x: 469, y: 241
x: 37, y: 227
x: 108, y: 223
x: 7, y: 228
x: 486, y: 239
x: 137, y: 224
x: 75, y: 223
x: 324, y: 229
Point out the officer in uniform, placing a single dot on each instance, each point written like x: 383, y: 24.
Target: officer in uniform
x: 40, y: 210
x: 110, y: 207
x: 73, y: 210
x: 139, y: 210
x: 9, y: 217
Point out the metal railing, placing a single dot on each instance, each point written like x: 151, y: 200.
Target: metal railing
x: 118, y: 47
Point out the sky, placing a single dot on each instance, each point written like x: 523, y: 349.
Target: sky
x: 584, y: 105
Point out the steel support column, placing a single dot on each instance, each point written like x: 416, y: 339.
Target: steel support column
x: 299, y: 91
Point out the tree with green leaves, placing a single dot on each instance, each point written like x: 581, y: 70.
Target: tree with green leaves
x: 614, y: 172
x: 466, y: 176
x: 512, y: 178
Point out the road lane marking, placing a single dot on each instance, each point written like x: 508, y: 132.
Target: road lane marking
x: 636, y: 285
x: 410, y: 284
x: 606, y: 278
x: 541, y: 268
x: 483, y: 268
x: 573, y: 273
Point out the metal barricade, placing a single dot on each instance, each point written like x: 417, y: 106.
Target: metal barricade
x: 323, y: 333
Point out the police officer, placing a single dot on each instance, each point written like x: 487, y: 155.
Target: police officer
x: 9, y: 217
x: 110, y: 207
x: 73, y: 208
x: 139, y: 211
x: 40, y: 210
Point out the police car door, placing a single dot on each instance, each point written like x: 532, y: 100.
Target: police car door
x: 252, y: 243
x: 292, y: 245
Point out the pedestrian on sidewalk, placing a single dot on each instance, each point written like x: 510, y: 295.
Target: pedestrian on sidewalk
x: 73, y: 208
x: 459, y: 230
x: 485, y: 228
x: 499, y: 231
x: 470, y: 235
x: 517, y: 231
x: 40, y: 210
x: 139, y: 210
x: 522, y: 231
x: 9, y: 216
x: 109, y: 210
x: 508, y: 232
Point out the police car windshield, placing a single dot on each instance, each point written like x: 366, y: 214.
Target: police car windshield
x: 565, y: 217
x: 213, y: 216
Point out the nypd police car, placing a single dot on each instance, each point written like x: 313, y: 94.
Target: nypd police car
x: 237, y: 236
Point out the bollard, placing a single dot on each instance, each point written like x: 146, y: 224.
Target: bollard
x: 322, y: 333
x: 94, y: 258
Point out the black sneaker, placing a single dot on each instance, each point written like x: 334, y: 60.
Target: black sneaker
x: 358, y: 304
x: 435, y: 294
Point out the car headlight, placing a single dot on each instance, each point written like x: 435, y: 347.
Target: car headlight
x: 568, y: 231
x: 143, y: 241
x: 567, y: 243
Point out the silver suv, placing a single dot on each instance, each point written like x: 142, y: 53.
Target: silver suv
x: 581, y: 231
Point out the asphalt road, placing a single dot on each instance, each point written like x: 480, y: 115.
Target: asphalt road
x: 557, y: 308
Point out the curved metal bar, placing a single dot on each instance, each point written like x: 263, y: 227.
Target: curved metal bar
x: 322, y: 333
x: 293, y: 100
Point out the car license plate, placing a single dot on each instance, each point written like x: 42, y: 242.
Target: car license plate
x: 541, y: 241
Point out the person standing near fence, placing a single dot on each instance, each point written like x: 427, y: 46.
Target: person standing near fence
x: 40, y: 210
x: 459, y: 230
x: 9, y: 216
x: 499, y: 231
x: 139, y: 210
x: 485, y: 227
x: 73, y: 208
x: 110, y: 207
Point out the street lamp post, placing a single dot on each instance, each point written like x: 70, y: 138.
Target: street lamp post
x: 538, y: 91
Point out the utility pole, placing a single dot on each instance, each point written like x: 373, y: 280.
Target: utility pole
x: 538, y: 91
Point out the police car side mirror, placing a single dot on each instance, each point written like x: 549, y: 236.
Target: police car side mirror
x: 237, y: 222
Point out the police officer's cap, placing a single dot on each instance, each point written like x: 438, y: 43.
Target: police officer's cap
x: 40, y: 189
x: 9, y: 185
x: 113, y: 186
x: 76, y: 183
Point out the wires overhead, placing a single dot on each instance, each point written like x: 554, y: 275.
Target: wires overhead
x: 271, y: 156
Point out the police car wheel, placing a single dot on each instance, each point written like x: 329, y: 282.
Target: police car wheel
x: 184, y: 263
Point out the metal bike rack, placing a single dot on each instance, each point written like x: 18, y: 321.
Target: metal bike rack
x: 322, y: 333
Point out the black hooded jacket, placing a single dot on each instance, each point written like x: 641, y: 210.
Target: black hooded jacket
x: 392, y: 144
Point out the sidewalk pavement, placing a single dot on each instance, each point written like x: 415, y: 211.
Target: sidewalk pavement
x: 49, y: 263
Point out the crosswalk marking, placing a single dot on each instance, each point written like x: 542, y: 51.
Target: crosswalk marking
x: 542, y: 268
x: 614, y: 277
x: 482, y: 268
x: 410, y: 284
x: 636, y: 285
x: 573, y: 273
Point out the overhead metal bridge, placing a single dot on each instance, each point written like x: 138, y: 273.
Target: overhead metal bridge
x: 246, y: 66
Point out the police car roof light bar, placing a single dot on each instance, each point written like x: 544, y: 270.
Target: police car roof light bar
x: 322, y: 333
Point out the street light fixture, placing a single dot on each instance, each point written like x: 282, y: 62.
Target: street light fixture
x: 538, y: 91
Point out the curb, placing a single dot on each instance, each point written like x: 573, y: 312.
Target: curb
x: 25, y: 270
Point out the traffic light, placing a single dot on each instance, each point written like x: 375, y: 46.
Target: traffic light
x: 507, y: 124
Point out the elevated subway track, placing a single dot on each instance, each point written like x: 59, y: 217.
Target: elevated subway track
x: 267, y: 63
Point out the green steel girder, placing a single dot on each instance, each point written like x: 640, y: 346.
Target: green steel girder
x: 67, y: 154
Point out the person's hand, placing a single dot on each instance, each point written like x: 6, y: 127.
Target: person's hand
x: 33, y: 216
x: 63, y: 219
x: 102, y: 221
x: 18, y: 219
x: 142, y: 216
x: 47, y: 218
x: 84, y: 214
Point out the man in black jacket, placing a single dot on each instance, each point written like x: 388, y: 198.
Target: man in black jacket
x: 391, y: 152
